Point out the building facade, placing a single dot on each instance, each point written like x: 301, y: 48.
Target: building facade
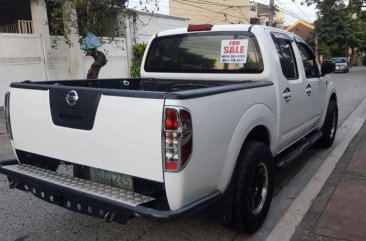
x: 301, y: 28
x: 263, y: 16
x: 225, y: 12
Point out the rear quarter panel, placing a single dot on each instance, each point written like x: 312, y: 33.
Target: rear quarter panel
x: 220, y: 125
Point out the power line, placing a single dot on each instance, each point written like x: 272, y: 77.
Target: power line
x: 288, y: 11
x: 220, y: 12
x: 200, y: 2
x: 238, y: 10
x: 224, y: 15
x: 291, y: 13
x: 190, y: 5
x: 298, y: 7
x: 212, y: 17
x: 285, y: 10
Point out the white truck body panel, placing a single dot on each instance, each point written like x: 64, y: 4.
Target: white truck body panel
x: 228, y: 116
x: 127, y: 132
x: 133, y: 122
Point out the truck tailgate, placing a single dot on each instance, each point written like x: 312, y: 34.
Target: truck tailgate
x: 124, y: 136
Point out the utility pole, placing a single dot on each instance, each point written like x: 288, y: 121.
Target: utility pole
x: 316, y: 46
x: 271, y: 13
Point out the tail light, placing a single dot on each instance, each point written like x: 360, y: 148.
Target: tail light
x: 177, y: 138
x: 7, y: 114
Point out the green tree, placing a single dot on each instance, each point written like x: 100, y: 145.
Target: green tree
x: 340, y: 25
x: 339, y: 32
x: 104, y: 18
x: 101, y: 17
x: 138, y: 53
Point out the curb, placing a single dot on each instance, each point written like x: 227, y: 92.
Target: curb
x: 286, y: 227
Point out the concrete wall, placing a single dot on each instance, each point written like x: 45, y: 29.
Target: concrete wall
x: 21, y: 59
x: 147, y: 25
x: 117, y: 65
x: 115, y: 51
x: 23, y: 55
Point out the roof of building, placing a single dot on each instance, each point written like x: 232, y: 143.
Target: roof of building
x: 309, y: 25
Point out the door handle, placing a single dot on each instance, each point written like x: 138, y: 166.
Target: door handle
x: 308, y: 89
x: 287, y: 94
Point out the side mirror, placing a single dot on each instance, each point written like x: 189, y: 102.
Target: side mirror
x: 328, y: 67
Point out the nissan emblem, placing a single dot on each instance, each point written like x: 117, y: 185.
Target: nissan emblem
x: 72, y: 97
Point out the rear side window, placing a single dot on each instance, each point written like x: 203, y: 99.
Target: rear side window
x: 212, y: 52
x: 287, y: 57
x: 308, y: 59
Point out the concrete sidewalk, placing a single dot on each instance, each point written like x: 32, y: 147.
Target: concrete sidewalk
x: 6, y: 151
x: 2, y: 121
x: 339, y: 210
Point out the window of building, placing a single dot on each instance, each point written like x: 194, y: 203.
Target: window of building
x: 254, y: 21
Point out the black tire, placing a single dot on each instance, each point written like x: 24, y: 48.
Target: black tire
x: 254, y: 160
x: 329, y: 128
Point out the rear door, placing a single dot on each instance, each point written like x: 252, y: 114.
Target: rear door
x: 314, y: 85
x: 100, y: 130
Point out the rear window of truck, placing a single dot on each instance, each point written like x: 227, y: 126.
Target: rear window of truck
x: 213, y: 52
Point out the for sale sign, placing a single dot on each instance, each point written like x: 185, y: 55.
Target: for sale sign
x: 234, y: 51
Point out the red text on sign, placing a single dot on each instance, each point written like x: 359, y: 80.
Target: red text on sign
x: 233, y: 49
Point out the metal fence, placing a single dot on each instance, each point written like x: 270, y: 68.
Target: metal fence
x: 22, y: 26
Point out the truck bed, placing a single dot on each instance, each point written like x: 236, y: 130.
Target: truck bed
x: 146, y: 88
x: 113, y: 115
x: 141, y: 84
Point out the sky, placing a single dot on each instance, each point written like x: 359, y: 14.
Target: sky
x: 293, y: 9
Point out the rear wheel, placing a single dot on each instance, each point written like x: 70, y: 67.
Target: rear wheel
x: 329, y: 128
x: 253, y: 187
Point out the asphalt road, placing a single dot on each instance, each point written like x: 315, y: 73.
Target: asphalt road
x: 24, y: 217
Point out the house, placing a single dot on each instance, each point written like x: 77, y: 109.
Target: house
x: 27, y: 52
x: 263, y: 16
x: 301, y: 28
x: 225, y: 12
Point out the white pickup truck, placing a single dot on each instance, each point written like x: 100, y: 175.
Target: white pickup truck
x: 218, y: 107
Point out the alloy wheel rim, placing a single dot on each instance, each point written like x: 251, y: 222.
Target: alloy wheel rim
x: 258, y: 188
x: 333, y: 127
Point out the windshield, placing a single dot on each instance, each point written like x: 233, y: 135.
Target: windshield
x: 214, y: 52
x: 339, y: 60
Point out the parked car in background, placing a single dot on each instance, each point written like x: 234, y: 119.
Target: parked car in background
x: 341, y: 64
x: 328, y: 62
